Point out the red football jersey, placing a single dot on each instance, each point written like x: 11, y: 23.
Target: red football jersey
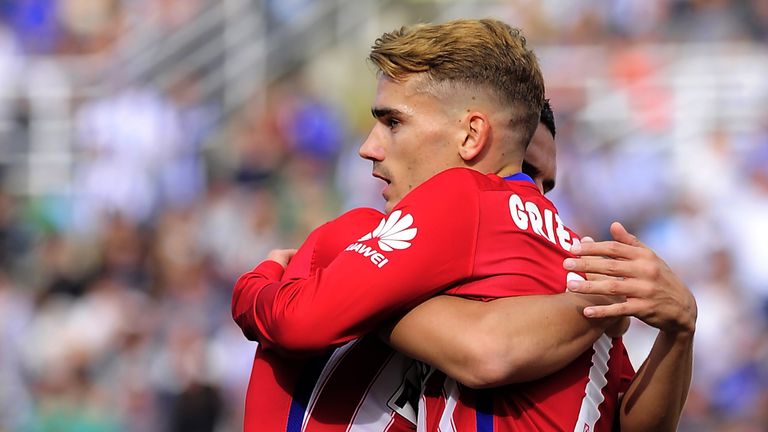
x: 472, y: 234
x: 582, y: 396
x: 458, y: 228
x: 361, y: 386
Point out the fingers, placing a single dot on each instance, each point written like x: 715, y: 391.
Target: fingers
x: 281, y: 256
x: 597, y: 276
x: 624, y: 246
x: 604, y: 266
x: 608, y: 287
x: 608, y: 311
x: 610, y: 248
x: 621, y: 234
x: 287, y: 253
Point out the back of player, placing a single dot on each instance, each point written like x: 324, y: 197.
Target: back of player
x: 580, y: 397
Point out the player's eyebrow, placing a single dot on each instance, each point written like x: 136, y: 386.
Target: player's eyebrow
x: 379, y: 112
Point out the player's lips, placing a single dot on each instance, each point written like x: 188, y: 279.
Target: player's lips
x: 379, y: 176
x: 385, y: 190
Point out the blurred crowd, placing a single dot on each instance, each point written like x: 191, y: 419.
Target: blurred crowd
x: 115, y: 288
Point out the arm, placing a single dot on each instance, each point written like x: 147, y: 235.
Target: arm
x: 385, y: 270
x: 280, y: 264
x: 657, y: 394
x: 508, y: 340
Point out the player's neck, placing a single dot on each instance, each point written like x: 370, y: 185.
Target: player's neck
x: 502, y: 164
x: 508, y: 169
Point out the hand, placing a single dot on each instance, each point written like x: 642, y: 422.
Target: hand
x: 654, y: 294
x: 620, y: 324
x: 281, y: 256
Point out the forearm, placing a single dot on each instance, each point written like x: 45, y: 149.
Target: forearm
x: 287, y: 316
x: 657, y: 394
x: 246, y: 290
x: 500, y: 342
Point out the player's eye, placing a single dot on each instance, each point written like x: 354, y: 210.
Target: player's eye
x: 392, y: 122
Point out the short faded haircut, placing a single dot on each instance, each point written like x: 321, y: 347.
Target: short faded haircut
x: 484, y: 54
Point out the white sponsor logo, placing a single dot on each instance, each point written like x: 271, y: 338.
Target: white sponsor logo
x: 367, y: 251
x: 393, y: 232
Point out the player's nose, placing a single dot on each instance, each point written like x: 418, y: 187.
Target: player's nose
x: 372, y: 148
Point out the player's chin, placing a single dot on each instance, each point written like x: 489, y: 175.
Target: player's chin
x: 389, y: 199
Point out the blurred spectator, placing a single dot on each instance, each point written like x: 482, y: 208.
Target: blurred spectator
x: 182, y: 179
x: 237, y: 226
x: 708, y: 20
x: 256, y: 146
x: 193, y: 403
x: 91, y: 27
x: 35, y: 22
x: 16, y: 310
x: 126, y: 140
x: 744, y: 218
x: 726, y: 324
x: 16, y: 236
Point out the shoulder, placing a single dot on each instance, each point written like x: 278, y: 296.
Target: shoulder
x: 457, y: 178
x: 328, y: 240
x: 359, y: 217
x: 349, y: 226
x: 448, y: 198
x: 446, y: 184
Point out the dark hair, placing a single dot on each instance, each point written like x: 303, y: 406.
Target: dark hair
x: 548, y: 117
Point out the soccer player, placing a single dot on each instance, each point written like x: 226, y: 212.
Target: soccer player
x: 286, y: 392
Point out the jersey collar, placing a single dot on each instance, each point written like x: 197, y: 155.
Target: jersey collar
x: 519, y: 177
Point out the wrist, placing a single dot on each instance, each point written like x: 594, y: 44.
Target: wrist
x: 688, y: 327
x: 683, y: 336
x: 270, y: 269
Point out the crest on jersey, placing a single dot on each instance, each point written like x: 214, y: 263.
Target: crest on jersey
x: 393, y: 232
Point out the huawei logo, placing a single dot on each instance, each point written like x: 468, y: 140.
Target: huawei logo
x: 393, y: 232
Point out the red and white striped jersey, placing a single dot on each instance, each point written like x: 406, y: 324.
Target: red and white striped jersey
x: 361, y: 386
x: 581, y: 397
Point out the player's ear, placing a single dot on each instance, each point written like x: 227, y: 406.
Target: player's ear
x: 477, y: 135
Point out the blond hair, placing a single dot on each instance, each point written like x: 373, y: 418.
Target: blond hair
x: 479, y: 54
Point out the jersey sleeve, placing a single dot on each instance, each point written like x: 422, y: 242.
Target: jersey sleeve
x: 325, y: 243
x: 425, y: 245
x: 318, y: 250
x: 246, y: 290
